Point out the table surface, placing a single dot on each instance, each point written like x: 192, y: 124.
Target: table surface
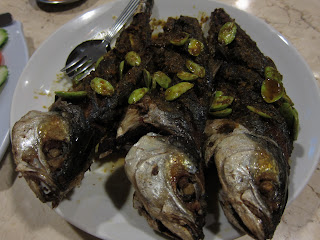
x: 25, y: 217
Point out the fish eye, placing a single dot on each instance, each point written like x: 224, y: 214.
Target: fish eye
x: 237, y: 218
x: 53, y: 148
x: 269, y: 191
x: 186, y: 189
x: 267, y: 188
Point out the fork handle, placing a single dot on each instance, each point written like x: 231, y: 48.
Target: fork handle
x: 121, y: 20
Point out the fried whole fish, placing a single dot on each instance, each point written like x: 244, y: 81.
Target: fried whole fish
x: 179, y: 210
x: 250, y: 137
x: 165, y: 165
x: 52, y: 150
x: 169, y: 186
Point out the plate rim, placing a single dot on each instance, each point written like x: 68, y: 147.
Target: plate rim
x: 261, y: 21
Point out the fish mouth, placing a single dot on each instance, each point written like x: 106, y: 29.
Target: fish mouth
x: 181, y: 229
x: 42, y: 185
x: 249, y: 214
x: 170, y: 225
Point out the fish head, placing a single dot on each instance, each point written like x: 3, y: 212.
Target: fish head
x: 40, y: 142
x: 255, y: 201
x: 168, y: 186
x: 254, y: 177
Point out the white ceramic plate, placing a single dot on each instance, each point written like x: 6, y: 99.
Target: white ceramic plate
x: 102, y: 205
x: 16, y: 55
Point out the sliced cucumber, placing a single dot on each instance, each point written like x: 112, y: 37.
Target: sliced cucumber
x: 3, y: 37
x: 3, y: 74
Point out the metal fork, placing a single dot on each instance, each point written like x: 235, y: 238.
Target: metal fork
x: 81, y: 60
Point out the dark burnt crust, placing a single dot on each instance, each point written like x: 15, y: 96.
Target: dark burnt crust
x: 241, y: 75
x: 188, y: 113
x: 243, y: 50
x: 244, y: 85
x: 100, y: 112
x: 92, y: 118
x: 192, y: 106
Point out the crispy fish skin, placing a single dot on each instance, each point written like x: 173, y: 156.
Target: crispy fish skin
x: 53, y: 149
x: 251, y: 152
